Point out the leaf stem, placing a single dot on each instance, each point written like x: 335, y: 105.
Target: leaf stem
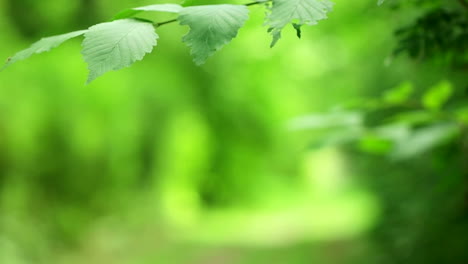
x: 257, y: 2
x: 158, y: 24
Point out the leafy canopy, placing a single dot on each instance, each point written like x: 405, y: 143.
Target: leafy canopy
x: 118, y: 44
x: 43, y: 45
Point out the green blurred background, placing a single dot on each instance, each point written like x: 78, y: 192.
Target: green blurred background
x: 260, y: 156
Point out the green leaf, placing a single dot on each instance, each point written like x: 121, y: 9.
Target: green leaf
x: 417, y: 117
x: 399, y: 94
x: 116, y: 45
x: 301, y: 12
x: 374, y: 145
x: 170, y: 8
x: 43, y: 45
x: 383, y: 139
x: 211, y: 27
x: 380, y: 2
x: 438, y: 95
x: 424, y: 139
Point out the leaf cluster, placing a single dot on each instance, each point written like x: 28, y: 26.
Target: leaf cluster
x: 400, y: 124
x: 119, y: 43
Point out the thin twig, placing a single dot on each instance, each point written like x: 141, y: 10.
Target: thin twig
x: 165, y: 22
x: 257, y: 3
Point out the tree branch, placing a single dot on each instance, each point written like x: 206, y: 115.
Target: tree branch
x: 158, y: 24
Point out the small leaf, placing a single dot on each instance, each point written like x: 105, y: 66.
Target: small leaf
x: 116, y: 45
x: 382, y: 139
x: 211, y: 27
x: 301, y: 12
x: 297, y: 27
x: 438, y: 95
x: 374, y: 145
x: 399, y: 94
x: 170, y: 8
x: 43, y: 45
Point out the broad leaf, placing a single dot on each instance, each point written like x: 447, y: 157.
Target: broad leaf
x: 170, y: 8
x: 299, y: 12
x: 211, y: 27
x: 116, y: 45
x: 43, y: 45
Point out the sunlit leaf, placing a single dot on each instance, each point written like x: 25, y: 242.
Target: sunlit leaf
x: 211, y: 27
x: 116, y: 45
x: 423, y: 140
x: 381, y: 140
x: 375, y: 145
x: 43, y: 45
x: 399, y: 94
x: 438, y: 95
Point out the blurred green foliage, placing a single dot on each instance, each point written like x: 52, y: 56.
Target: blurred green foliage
x: 330, y: 149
